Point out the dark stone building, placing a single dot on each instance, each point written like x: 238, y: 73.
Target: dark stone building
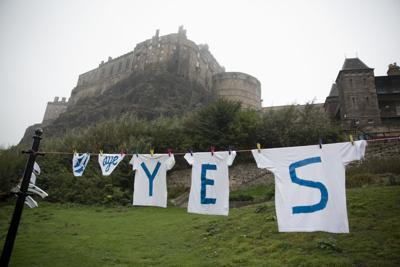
x: 359, y: 100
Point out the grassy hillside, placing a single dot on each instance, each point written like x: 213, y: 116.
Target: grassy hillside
x: 147, y: 95
x: 74, y: 235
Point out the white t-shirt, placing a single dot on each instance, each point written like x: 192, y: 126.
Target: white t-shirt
x: 108, y: 162
x: 310, y: 185
x: 150, y: 179
x: 209, y: 192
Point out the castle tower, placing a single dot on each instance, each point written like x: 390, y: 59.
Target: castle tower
x: 331, y: 105
x: 54, y: 110
x: 357, y: 95
x: 238, y: 86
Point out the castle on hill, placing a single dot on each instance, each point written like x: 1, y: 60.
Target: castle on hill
x: 174, y: 53
x: 357, y: 100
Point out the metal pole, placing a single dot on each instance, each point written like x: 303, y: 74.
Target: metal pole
x: 12, y: 230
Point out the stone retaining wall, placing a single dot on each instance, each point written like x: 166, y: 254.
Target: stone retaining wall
x: 246, y: 175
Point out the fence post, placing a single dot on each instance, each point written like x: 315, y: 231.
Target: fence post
x: 12, y: 230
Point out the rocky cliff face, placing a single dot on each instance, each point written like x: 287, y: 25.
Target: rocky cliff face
x: 148, y: 94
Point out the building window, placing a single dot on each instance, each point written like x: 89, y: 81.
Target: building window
x: 365, y: 81
x: 351, y: 82
x: 127, y: 63
x: 353, y: 99
x: 370, y: 121
x: 111, y: 70
x: 398, y: 109
x: 119, y: 66
x: 367, y: 99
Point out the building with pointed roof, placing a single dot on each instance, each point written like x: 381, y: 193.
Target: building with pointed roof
x: 360, y: 100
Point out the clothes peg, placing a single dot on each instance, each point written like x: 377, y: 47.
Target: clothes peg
x: 212, y: 150
x: 191, y: 152
x: 75, y: 152
x: 259, y: 147
x: 320, y: 143
x: 230, y: 150
x: 351, y: 140
x: 152, y: 151
x: 169, y: 150
x: 101, y: 152
x: 122, y: 152
x: 137, y: 154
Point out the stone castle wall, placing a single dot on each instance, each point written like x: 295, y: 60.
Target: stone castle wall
x: 54, y: 109
x: 173, y: 52
x: 238, y: 86
x: 357, y: 94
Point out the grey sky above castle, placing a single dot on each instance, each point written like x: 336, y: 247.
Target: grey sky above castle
x: 294, y: 49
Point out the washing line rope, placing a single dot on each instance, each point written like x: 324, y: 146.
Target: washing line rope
x: 183, y: 153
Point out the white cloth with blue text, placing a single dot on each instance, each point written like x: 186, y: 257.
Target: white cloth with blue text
x: 310, y: 193
x: 79, y: 163
x: 108, y: 162
x: 209, y: 192
x: 150, y: 187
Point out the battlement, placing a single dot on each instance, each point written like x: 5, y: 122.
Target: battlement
x: 59, y: 102
x: 54, y: 109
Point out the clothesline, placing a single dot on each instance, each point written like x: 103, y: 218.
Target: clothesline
x: 183, y: 153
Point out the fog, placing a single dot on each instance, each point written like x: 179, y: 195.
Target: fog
x: 295, y: 48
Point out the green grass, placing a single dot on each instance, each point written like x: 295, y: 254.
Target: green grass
x: 74, y: 235
x: 256, y: 193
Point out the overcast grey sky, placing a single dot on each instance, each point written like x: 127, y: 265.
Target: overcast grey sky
x: 295, y: 48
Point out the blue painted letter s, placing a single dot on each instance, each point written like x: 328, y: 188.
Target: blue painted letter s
x: 324, y: 192
x: 205, y: 182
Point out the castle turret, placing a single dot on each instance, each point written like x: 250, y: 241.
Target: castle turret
x: 332, y: 107
x: 54, y: 110
x: 238, y: 86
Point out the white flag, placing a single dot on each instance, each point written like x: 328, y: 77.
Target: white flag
x: 79, y: 163
x: 33, y: 178
x: 108, y: 162
x: 36, y: 169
